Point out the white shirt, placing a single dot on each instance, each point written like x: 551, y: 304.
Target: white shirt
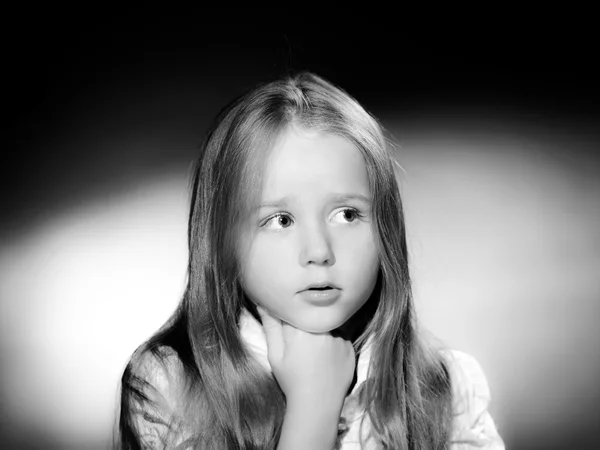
x: 472, y: 426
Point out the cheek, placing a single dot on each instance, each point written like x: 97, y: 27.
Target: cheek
x: 359, y: 255
x: 267, y: 278
x: 265, y: 263
x: 359, y: 247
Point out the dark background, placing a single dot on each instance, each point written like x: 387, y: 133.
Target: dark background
x: 57, y: 65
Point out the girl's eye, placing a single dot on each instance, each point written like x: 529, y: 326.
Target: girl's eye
x: 347, y: 215
x: 278, y: 221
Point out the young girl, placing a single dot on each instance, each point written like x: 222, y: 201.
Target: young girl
x: 297, y: 326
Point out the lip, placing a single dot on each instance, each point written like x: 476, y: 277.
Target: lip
x: 320, y: 298
x: 321, y: 284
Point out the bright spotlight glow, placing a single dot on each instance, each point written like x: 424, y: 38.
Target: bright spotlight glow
x: 80, y: 295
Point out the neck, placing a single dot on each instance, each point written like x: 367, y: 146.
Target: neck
x: 354, y: 327
x: 253, y: 335
x: 351, y: 330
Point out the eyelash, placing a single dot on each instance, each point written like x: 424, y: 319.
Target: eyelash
x: 357, y: 215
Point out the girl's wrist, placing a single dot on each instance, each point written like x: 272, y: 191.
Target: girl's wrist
x: 307, y: 424
x: 311, y: 393
x: 311, y: 403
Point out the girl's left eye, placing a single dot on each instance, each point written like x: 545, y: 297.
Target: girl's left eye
x: 347, y: 215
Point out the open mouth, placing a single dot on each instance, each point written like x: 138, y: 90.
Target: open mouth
x: 324, y: 288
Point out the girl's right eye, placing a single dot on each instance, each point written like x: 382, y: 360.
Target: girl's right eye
x: 278, y: 222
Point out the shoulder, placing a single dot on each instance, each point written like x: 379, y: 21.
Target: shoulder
x: 159, y: 367
x: 466, y: 375
x: 152, y: 395
x: 156, y: 378
x: 472, y: 424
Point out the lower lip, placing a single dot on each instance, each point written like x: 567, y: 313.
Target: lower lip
x: 321, y: 298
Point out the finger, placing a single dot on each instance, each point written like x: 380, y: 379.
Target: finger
x: 273, y: 331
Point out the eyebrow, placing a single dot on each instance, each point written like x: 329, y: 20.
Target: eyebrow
x: 336, y: 198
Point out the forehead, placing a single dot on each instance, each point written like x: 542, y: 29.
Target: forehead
x: 306, y: 162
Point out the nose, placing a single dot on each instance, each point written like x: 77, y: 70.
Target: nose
x: 316, y: 248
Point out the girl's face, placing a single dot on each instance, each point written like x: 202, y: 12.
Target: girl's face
x: 312, y: 259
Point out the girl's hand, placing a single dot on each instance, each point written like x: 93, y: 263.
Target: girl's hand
x: 308, y: 366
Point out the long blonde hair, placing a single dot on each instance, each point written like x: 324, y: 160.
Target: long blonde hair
x: 232, y: 401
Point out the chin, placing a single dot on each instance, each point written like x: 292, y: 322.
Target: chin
x: 313, y: 329
x: 324, y: 324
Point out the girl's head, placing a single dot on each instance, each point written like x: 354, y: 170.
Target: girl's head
x: 309, y: 254
x: 295, y: 192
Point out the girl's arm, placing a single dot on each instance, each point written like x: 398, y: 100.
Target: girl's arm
x: 314, y: 371
x: 310, y: 423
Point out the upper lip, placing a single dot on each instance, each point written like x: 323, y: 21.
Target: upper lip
x: 321, y: 284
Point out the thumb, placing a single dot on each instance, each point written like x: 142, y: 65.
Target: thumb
x: 274, y: 332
